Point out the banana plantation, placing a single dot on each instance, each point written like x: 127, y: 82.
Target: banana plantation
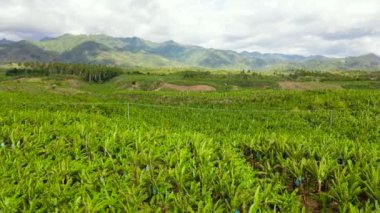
x: 241, y: 151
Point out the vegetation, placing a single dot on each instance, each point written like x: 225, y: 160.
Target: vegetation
x: 90, y: 73
x: 137, y: 52
x: 306, y: 75
x: 107, y: 147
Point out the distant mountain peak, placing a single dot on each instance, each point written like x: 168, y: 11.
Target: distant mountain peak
x: 5, y: 41
x: 67, y: 35
x: 373, y: 55
x: 135, y: 51
x: 135, y: 41
x: 134, y: 38
x: 47, y: 38
x: 369, y: 56
x: 170, y: 42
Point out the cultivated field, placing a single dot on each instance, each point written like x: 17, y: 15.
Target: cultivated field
x: 140, y: 142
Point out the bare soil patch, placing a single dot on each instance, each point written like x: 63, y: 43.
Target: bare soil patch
x: 292, y: 85
x: 66, y: 91
x: 29, y: 80
x: 73, y: 83
x: 200, y: 88
x: 71, y: 86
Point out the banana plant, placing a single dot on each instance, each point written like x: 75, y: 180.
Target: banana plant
x: 297, y: 169
x: 345, y: 189
x: 321, y: 170
x: 371, y: 181
x: 255, y: 207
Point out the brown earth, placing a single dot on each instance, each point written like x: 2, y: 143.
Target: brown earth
x: 66, y: 91
x: 29, y: 80
x: 311, y: 205
x: 200, y: 88
x: 73, y: 83
x: 72, y: 86
x: 292, y: 85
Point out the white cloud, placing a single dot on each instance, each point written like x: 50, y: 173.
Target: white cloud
x: 330, y: 27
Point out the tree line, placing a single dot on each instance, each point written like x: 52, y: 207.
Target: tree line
x: 88, y: 72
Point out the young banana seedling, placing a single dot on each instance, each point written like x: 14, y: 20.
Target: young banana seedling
x: 320, y: 170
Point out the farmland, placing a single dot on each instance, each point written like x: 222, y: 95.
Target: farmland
x: 69, y: 144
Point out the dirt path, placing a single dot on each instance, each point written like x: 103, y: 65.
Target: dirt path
x: 292, y: 85
x: 200, y: 88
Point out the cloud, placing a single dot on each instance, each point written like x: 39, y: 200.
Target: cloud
x: 330, y: 27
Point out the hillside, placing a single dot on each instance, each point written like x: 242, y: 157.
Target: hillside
x: 135, y: 51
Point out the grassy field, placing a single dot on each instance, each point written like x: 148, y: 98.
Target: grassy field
x: 249, y: 146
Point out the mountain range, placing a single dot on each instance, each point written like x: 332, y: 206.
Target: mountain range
x: 137, y: 52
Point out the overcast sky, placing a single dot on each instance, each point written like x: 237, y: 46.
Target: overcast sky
x: 329, y: 27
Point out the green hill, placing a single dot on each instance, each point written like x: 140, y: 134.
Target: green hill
x: 103, y: 49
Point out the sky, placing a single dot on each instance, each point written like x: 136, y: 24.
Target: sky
x: 306, y: 27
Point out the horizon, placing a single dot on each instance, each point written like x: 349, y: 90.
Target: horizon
x: 330, y: 28
x: 170, y: 40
